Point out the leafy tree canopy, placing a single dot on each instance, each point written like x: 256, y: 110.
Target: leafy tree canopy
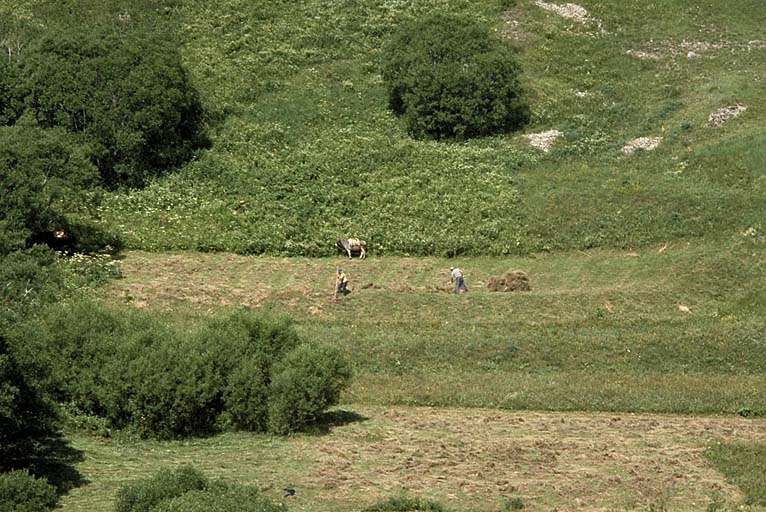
x: 449, y: 77
x: 43, y: 174
x: 123, y: 90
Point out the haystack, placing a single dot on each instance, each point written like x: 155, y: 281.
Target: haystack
x: 513, y: 281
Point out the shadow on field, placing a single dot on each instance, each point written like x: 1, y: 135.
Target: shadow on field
x: 55, y: 462
x: 335, y: 419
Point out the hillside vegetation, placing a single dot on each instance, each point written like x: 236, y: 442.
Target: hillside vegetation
x: 634, y: 199
x: 305, y: 149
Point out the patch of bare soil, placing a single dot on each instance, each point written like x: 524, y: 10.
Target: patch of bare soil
x: 570, y: 11
x: 553, y: 461
x: 513, y: 281
x: 543, y: 140
x: 642, y: 143
x: 724, y: 115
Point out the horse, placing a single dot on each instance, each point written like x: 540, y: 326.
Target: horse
x: 352, y: 245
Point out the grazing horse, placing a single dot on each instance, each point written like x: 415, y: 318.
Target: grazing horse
x: 352, y: 245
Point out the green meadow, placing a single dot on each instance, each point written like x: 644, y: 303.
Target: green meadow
x: 646, y: 262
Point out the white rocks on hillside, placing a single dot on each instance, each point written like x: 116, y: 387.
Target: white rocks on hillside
x: 543, y: 140
x: 571, y: 11
x: 722, y: 115
x: 645, y: 143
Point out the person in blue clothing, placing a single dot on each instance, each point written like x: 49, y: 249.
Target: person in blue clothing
x: 456, y: 277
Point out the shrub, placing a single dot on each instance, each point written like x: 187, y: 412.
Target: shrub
x: 43, y: 174
x: 406, y: 504
x: 141, y: 372
x: 251, y: 346
x: 21, y: 492
x: 246, y: 395
x: 31, y: 279
x: 304, y: 384
x: 221, y: 498
x: 123, y: 91
x: 26, y: 418
x: 144, y: 495
x: 175, y: 388
x: 449, y: 78
x: 188, y: 490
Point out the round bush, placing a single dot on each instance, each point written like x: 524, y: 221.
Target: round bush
x: 305, y: 383
x: 144, y: 495
x: 406, y: 504
x: 124, y: 92
x: 450, y: 78
x: 247, y: 346
x: 221, y: 498
x: 21, y: 492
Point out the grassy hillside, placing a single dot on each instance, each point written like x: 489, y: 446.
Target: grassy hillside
x: 306, y: 151
x: 647, y: 267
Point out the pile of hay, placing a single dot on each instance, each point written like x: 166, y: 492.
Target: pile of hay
x: 513, y: 281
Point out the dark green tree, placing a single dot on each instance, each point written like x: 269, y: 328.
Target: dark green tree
x: 43, y: 175
x: 11, y: 105
x: 26, y: 418
x: 449, y: 77
x: 123, y: 90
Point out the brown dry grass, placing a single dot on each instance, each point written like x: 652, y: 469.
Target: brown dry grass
x: 467, y: 459
x: 566, y: 461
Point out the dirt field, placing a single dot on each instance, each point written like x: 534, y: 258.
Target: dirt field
x: 553, y: 461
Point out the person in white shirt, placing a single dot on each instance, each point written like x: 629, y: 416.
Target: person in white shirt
x: 457, y: 278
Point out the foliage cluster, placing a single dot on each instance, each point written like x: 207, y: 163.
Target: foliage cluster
x: 450, y: 78
x: 81, y: 107
x: 117, y: 84
x: 124, y: 92
x: 142, y: 373
x: 43, y: 177
x: 31, y: 280
x: 22, y: 492
x: 406, y: 504
x: 187, y: 489
x: 26, y: 416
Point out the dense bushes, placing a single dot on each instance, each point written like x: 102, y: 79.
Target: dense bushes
x: 449, y: 78
x: 307, y: 381
x: 21, y: 492
x: 26, y: 418
x: 125, y: 92
x: 406, y: 504
x: 144, y: 495
x: 141, y: 372
x: 43, y: 175
x: 188, y: 490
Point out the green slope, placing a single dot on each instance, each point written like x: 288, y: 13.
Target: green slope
x: 305, y: 150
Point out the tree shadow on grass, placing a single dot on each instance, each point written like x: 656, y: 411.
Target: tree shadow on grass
x: 54, y: 461
x: 336, y: 418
